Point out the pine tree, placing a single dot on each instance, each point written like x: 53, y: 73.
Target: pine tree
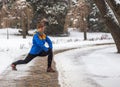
x: 95, y: 21
x: 54, y: 10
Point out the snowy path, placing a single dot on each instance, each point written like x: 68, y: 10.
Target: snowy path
x: 96, y: 66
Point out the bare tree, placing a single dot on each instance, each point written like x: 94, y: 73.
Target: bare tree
x: 23, y: 13
x: 19, y: 15
x: 68, y: 16
x: 84, y: 11
x: 78, y: 14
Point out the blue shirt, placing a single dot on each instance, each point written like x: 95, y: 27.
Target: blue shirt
x: 39, y: 44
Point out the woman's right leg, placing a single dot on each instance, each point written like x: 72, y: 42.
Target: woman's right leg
x: 26, y: 60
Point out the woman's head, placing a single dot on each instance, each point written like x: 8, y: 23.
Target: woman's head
x: 40, y: 27
x: 45, y: 21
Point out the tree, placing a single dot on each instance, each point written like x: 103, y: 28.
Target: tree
x: 78, y: 13
x: 95, y: 22
x: 105, y: 7
x: 23, y: 13
x: 54, y: 10
x: 84, y: 11
x: 18, y: 15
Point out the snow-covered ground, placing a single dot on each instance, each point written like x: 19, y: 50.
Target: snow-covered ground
x: 96, y: 66
x: 72, y: 64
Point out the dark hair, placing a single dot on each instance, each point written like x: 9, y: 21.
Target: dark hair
x: 40, y: 25
x: 45, y: 21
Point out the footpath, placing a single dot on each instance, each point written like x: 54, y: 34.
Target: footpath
x: 32, y: 74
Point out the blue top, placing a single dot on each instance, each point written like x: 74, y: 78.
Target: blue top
x: 39, y: 42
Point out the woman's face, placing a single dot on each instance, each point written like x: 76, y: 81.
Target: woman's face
x: 41, y: 29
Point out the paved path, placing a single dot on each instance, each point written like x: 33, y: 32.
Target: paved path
x: 32, y: 74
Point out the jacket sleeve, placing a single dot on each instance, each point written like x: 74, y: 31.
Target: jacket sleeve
x: 49, y: 42
x: 40, y: 43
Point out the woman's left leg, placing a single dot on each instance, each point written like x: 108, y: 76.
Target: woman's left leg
x: 50, y: 58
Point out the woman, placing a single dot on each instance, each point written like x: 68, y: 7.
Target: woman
x: 38, y: 48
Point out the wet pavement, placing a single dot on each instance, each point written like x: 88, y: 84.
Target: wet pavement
x: 32, y: 74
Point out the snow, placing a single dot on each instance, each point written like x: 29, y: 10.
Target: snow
x: 22, y: 0
x: 81, y: 66
x: 75, y: 1
x: 117, y: 1
x: 93, y: 19
x: 111, y: 14
x: 107, y: 71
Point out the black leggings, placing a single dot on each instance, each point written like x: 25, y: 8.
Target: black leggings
x: 31, y: 56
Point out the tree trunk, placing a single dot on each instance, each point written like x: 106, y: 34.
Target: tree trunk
x: 85, y: 35
x: 113, y: 7
x: 66, y: 25
x: 113, y: 27
x: 23, y: 27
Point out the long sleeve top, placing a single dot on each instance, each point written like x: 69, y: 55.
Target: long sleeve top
x: 39, y: 43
